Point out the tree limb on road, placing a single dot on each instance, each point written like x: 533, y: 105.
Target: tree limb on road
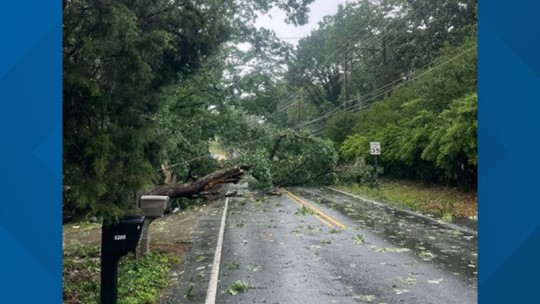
x: 205, y: 183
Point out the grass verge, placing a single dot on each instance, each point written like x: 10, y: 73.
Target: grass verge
x: 139, y: 281
x: 445, y: 203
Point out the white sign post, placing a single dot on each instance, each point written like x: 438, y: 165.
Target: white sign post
x: 375, y: 148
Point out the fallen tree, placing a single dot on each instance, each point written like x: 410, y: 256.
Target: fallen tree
x: 284, y: 159
x: 291, y: 159
x: 205, y: 183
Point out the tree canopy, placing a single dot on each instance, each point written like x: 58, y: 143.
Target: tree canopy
x: 143, y: 85
x: 148, y: 85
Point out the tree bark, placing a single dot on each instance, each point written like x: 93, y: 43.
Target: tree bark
x: 205, y: 183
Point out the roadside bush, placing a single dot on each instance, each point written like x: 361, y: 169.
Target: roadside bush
x: 358, y: 172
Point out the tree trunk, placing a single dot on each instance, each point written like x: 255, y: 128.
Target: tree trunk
x: 205, y: 183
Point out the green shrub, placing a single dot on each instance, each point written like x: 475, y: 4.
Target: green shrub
x: 139, y: 281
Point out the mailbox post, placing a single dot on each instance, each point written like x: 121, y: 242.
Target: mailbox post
x: 153, y: 207
x: 117, y: 241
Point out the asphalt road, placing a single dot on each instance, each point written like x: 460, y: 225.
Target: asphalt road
x: 381, y: 256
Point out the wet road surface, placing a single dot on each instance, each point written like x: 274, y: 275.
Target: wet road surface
x: 286, y: 254
x: 381, y: 256
x: 189, y: 280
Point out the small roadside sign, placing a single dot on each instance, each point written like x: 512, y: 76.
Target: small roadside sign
x: 375, y: 148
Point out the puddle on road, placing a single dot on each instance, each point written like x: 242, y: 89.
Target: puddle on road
x: 447, y: 248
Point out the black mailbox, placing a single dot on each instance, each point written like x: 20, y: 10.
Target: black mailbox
x: 116, y: 241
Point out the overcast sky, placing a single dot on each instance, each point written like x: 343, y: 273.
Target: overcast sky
x: 291, y: 33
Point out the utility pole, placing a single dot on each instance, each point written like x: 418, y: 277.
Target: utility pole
x: 384, y: 49
x: 346, y: 103
x: 298, y: 114
x: 347, y: 98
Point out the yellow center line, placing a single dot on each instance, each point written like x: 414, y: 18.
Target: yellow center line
x: 324, y: 222
x: 319, y: 212
x: 317, y: 216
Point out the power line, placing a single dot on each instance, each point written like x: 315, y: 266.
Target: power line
x: 331, y: 56
x: 343, y: 109
x: 370, y: 93
x: 332, y: 112
x: 361, y: 107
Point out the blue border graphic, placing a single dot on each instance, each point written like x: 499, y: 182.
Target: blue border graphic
x: 30, y: 151
x: 509, y: 149
x: 31, y: 130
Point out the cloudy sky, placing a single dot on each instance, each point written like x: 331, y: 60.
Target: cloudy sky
x: 291, y: 33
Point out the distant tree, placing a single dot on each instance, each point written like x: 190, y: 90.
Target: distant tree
x: 339, y: 126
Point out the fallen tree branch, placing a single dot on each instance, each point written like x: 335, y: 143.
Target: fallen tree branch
x: 205, y: 183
